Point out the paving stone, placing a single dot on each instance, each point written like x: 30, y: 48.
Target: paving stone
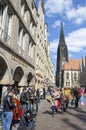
x: 70, y: 120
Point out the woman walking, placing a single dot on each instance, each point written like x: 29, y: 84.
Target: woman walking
x: 81, y: 97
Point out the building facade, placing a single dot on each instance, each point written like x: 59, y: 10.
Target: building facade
x: 83, y: 72
x: 44, y: 67
x: 18, y: 31
x: 71, y: 73
x: 17, y: 42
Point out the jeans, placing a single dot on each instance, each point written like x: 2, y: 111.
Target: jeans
x: 76, y: 102
x: 54, y: 109
x: 7, y: 120
x: 38, y: 99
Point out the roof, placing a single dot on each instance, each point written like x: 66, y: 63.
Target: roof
x: 73, y: 64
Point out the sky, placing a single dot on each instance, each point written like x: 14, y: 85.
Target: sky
x: 72, y: 13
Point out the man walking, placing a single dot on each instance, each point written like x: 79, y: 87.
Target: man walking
x: 24, y: 99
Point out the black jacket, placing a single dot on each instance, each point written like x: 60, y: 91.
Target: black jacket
x: 8, y: 103
x: 23, y: 98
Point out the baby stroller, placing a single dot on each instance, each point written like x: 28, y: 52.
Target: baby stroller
x: 27, y: 120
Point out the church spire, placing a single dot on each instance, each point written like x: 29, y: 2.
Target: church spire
x: 61, y: 39
x: 62, y: 57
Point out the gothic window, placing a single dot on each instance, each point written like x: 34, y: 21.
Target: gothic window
x: 20, y: 40
x: 32, y: 5
x: 67, y: 75
x: 7, y: 22
x: 75, y: 76
x: 22, y: 8
x: 7, y: 26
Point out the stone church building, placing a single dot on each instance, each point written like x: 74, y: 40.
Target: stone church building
x: 67, y: 70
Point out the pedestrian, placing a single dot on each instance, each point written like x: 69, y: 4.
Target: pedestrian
x: 81, y: 97
x: 77, y: 96
x: 8, y: 106
x: 44, y: 93
x: 53, y: 106
x: 36, y: 103
x: 24, y: 99
x: 38, y: 95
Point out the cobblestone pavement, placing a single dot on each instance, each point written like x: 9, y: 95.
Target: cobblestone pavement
x: 70, y: 120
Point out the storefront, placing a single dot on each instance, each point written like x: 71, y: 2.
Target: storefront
x: 14, y: 71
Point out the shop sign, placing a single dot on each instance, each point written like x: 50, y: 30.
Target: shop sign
x: 15, y: 58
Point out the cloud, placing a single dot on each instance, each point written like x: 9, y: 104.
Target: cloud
x: 57, y: 24
x: 53, y: 46
x: 76, y: 41
x: 84, y: 51
x: 57, y: 6
x: 65, y: 7
x: 77, y: 14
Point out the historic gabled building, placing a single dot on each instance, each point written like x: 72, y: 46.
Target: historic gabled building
x: 62, y: 56
x: 71, y: 73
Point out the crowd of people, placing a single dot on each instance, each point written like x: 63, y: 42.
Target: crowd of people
x: 61, y: 99
x: 21, y: 109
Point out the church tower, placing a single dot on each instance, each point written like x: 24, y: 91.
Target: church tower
x: 62, y: 56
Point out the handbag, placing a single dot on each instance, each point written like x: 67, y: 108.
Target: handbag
x: 72, y: 101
